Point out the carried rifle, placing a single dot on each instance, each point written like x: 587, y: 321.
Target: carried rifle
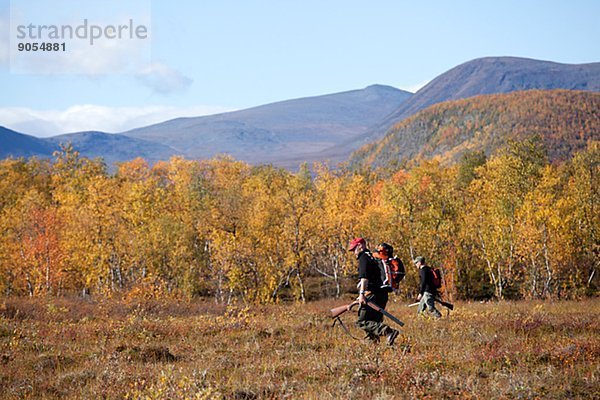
x: 449, y: 306
x: 336, y: 312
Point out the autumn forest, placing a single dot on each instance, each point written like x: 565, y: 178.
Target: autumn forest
x: 508, y: 226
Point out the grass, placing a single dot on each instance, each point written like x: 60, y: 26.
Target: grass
x: 61, y: 348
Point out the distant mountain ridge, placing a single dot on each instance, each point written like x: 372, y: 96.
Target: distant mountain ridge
x: 112, y: 147
x: 565, y: 120
x: 284, y: 133
x: 491, y: 75
x: 17, y: 144
x: 281, y: 133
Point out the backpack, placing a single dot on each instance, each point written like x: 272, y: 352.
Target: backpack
x: 391, y: 268
x: 437, y: 277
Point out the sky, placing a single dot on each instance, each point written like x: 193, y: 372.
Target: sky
x: 207, y: 56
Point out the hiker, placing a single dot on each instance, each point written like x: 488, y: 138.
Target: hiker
x: 391, y: 267
x: 369, y: 289
x: 427, y: 289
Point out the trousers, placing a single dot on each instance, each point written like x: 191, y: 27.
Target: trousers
x: 427, y: 302
x: 371, y: 321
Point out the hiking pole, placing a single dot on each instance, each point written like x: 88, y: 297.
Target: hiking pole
x: 413, y: 304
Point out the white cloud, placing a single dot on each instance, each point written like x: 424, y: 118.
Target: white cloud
x: 163, y: 79
x: 414, y: 88
x: 4, y: 39
x: 89, y: 117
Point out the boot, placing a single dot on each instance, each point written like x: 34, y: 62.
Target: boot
x: 391, y: 337
x: 371, y: 337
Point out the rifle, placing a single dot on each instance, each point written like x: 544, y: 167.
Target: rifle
x: 336, y: 312
x: 449, y: 306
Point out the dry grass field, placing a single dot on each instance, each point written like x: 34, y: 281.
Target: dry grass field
x: 61, y: 348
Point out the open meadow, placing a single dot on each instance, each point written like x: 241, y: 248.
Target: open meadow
x: 61, y: 348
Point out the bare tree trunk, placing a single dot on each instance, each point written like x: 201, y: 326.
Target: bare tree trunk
x: 500, y: 284
x: 218, y: 273
x: 511, y: 251
x: 230, y: 296
x: 495, y: 279
x: 591, y: 278
x: 336, y: 276
x: 30, y: 288
x: 549, y: 275
x: 119, y: 277
x: 338, y: 287
x: 534, y: 276
x: 302, y: 291
x: 219, y: 291
x: 113, y: 279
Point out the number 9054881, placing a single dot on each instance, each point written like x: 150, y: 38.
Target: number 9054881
x: 44, y: 46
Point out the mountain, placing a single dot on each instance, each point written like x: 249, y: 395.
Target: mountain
x: 493, y: 75
x: 285, y: 133
x: 565, y: 119
x: 113, y: 147
x: 17, y: 144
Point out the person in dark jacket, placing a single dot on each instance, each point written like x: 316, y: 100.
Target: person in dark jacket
x: 369, y: 289
x: 427, y: 290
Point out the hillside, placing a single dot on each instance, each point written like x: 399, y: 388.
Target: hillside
x: 491, y: 75
x: 565, y: 119
x: 17, y: 144
x: 283, y: 133
x: 113, y: 147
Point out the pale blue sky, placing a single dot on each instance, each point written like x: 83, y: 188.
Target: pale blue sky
x: 208, y: 56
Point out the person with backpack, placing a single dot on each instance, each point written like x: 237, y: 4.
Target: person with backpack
x: 430, y: 282
x: 391, y: 267
x: 370, y: 289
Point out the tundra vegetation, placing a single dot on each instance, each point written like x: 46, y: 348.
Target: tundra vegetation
x: 165, y: 349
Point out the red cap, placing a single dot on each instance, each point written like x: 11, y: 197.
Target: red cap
x: 355, y: 242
